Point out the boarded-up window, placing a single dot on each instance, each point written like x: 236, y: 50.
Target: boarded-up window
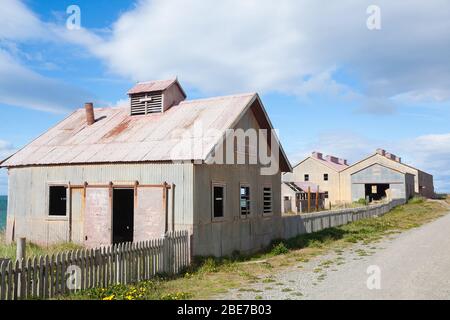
x: 267, y: 200
x: 245, y: 200
x: 218, y: 201
x: 57, y: 201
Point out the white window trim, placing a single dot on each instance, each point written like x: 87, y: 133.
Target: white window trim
x: 224, y: 186
x: 245, y: 216
x: 271, y: 200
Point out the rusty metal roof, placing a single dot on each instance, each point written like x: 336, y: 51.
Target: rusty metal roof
x: 118, y: 137
x: 155, y: 85
x: 303, y: 186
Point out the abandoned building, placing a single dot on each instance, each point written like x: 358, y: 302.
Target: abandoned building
x: 111, y: 175
x: 322, y: 172
x: 382, y: 175
x: 299, y: 197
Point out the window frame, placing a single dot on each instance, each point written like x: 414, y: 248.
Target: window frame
x: 224, y: 187
x: 269, y: 186
x: 249, y: 201
x: 57, y: 217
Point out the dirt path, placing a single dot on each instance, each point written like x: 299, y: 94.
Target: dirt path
x: 411, y: 265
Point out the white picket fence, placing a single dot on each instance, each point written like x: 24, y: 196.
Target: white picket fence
x: 127, y: 263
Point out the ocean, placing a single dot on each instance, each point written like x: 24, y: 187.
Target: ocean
x: 3, y: 205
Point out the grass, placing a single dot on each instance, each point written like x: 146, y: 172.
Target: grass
x: 33, y: 250
x: 209, y: 277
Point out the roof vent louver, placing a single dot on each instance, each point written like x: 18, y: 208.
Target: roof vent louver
x: 146, y: 103
x: 155, y: 96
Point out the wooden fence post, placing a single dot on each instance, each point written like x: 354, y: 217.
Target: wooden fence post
x: 21, y: 249
x: 309, y: 199
x: 317, y: 199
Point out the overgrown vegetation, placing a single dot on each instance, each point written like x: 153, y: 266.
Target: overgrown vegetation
x: 145, y: 290
x: 209, y: 276
x: 362, y: 201
x: 416, y: 200
x: 33, y: 250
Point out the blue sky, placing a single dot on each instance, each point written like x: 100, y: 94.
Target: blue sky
x: 328, y: 82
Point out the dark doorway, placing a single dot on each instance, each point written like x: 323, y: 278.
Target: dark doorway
x: 376, y: 192
x: 123, y: 215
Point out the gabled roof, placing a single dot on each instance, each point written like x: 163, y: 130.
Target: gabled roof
x: 332, y: 165
x: 377, y: 154
x: 117, y: 137
x: 155, y: 85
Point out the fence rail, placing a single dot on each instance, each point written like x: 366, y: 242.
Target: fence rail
x: 48, y: 276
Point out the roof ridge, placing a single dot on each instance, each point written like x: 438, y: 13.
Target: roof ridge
x: 250, y: 94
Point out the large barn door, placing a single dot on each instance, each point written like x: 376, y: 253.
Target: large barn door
x: 150, y: 213
x: 97, y: 217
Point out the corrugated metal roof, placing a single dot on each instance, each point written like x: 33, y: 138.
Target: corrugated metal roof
x: 151, y: 86
x: 336, y: 166
x: 118, y: 137
x: 304, y: 186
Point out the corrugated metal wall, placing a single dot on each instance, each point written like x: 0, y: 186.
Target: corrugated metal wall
x: 28, y: 194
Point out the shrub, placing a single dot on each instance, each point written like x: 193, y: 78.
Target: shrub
x: 279, y: 249
x: 362, y: 201
x: 416, y: 200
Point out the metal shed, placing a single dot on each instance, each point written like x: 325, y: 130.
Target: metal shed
x: 65, y: 185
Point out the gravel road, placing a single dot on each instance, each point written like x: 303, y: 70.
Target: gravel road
x: 412, y: 265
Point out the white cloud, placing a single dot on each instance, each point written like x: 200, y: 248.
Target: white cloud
x: 20, y: 86
x: 17, y: 22
x: 291, y: 46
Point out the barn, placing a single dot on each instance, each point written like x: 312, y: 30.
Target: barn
x: 384, y: 175
x: 132, y: 173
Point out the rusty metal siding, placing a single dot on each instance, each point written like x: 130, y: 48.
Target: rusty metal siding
x: 220, y: 237
x: 28, y: 194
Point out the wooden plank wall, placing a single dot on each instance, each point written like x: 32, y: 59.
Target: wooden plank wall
x: 59, y: 274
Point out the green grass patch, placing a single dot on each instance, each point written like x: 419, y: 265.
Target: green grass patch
x: 208, y: 277
x: 33, y: 250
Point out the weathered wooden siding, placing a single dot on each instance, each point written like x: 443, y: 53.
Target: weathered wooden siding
x: 28, y: 196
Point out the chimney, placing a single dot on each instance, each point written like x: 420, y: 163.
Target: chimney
x: 342, y: 161
x: 398, y: 159
x: 332, y: 159
x: 381, y: 152
x: 90, y: 117
x: 317, y: 155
